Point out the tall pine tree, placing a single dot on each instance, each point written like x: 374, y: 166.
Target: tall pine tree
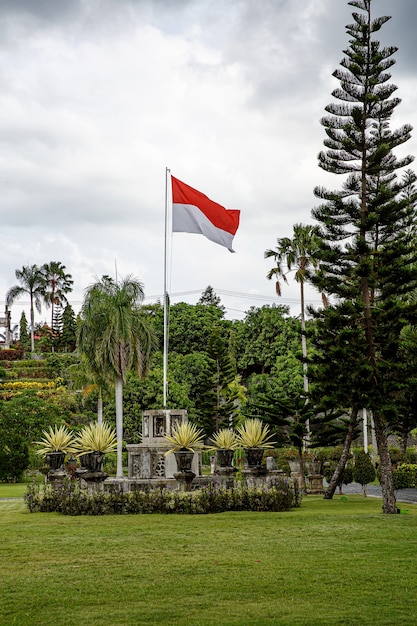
x: 367, y: 254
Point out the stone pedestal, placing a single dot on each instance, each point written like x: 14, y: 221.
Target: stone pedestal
x: 226, y: 476
x: 316, y: 483
x: 184, y: 480
x: 299, y: 478
x: 254, y: 476
x: 56, y: 477
x: 93, y: 482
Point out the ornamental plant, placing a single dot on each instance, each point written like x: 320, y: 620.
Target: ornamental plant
x: 253, y: 433
x: 96, y: 437
x: 56, y: 439
x: 224, y: 439
x: 185, y: 436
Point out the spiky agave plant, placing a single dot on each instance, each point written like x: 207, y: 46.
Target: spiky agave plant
x: 56, y: 439
x: 95, y: 437
x: 185, y: 436
x: 224, y: 439
x: 253, y: 433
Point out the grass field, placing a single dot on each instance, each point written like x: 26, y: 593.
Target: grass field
x: 329, y: 562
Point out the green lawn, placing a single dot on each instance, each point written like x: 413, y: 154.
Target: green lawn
x: 330, y: 562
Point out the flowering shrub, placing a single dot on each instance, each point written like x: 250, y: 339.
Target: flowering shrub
x: 70, y: 499
x: 28, y: 385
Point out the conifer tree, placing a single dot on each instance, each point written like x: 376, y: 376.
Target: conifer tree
x: 24, y: 337
x: 69, y: 329
x: 217, y: 402
x: 367, y: 258
x: 363, y: 470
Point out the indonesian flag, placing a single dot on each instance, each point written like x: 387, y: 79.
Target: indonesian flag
x: 193, y: 212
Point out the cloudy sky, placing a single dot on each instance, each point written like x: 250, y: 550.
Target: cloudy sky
x: 99, y: 97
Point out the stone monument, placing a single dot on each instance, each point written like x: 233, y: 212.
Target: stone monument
x: 147, y: 461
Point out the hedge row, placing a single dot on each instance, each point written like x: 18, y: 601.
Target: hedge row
x: 70, y: 499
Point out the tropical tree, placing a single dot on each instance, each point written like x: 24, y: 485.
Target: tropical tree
x: 57, y: 283
x: 115, y: 336
x: 33, y: 284
x: 367, y: 257
x: 298, y: 255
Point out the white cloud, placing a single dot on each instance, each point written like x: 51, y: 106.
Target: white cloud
x: 97, y: 99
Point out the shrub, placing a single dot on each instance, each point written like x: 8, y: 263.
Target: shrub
x: 396, y: 455
x: 363, y: 471
x: 69, y: 499
x: 405, y: 476
x: 411, y: 455
x: 10, y: 354
x: 14, y: 456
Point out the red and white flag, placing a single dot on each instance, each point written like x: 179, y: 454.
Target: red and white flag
x: 193, y: 212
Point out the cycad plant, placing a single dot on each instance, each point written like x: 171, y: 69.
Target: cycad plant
x: 253, y: 433
x: 224, y: 439
x: 56, y: 439
x: 185, y: 436
x: 95, y: 438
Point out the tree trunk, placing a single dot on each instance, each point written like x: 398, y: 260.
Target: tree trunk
x: 388, y: 492
x: 119, y: 424
x: 304, y: 350
x: 302, y: 471
x: 404, y: 440
x: 32, y: 325
x: 336, y: 478
x: 100, y: 407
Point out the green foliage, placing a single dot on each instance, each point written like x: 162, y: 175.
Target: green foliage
x: 405, y: 476
x: 224, y: 439
x: 29, y: 415
x: 253, y: 433
x: 363, y: 470
x: 113, y: 333
x: 56, y: 284
x: 69, y: 499
x: 24, y: 337
x: 65, y: 331
x: 209, y: 298
x: 95, y: 437
x: 265, y: 334
x: 189, y: 325
x: 32, y: 283
x: 367, y: 257
x: 56, y: 439
x: 185, y: 436
x: 14, y: 454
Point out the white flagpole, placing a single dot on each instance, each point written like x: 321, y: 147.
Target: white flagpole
x: 165, y: 367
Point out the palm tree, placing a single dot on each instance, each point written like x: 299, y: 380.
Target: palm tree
x: 115, y: 337
x: 32, y: 283
x: 57, y: 284
x: 296, y: 254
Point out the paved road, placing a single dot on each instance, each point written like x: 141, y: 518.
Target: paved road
x: 403, y: 495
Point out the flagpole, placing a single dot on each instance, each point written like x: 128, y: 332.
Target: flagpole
x: 165, y: 358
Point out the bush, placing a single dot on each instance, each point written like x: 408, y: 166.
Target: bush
x: 70, y: 499
x: 411, y: 455
x: 14, y: 456
x: 363, y: 471
x: 396, y: 455
x: 11, y: 354
x: 405, y: 476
